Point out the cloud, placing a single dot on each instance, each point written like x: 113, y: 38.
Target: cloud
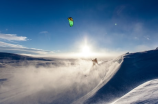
x: 52, y: 81
x: 3, y: 44
x: 12, y: 37
x: 146, y: 37
x: 143, y: 47
x: 138, y: 27
x: 136, y: 38
x: 43, y: 32
x: 16, y: 48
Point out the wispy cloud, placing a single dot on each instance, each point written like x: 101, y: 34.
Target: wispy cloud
x: 16, y: 48
x: 43, y: 32
x: 4, y: 44
x: 146, y: 37
x: 136, y: 38
x: 144, y: 47
x: 13, y: 37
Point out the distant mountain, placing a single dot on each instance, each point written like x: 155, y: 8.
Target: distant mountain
x: 11, y: 56
x: 23, y: 60
x: 136, y: 69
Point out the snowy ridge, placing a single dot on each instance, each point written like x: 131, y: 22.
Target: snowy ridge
x: 111, y: 67
x: 55, y: 81
x: 28, y: 80
x: 136, y: 69
x: 146, y: 93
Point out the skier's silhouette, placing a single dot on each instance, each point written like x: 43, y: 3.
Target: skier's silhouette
x: 95, y: 61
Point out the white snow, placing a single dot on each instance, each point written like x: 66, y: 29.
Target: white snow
x: 146, y: 93
x: 53, y: 84
x: 78, y: 82
x: 109, y: 68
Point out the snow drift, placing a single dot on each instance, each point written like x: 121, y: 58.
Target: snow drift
x: 136, y: 69
x: 147, y: 93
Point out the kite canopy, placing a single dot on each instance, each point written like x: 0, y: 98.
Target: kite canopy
x: 70, y: 21
x: 70, y: 18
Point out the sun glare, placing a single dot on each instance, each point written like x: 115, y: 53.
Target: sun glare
x: 85, y: 51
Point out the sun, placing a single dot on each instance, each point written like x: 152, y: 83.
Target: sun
x: 85, y: 51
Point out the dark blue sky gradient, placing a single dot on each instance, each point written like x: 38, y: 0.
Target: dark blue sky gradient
x: 137, y: 23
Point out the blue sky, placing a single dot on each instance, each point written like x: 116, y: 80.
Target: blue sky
x: 41, y: 26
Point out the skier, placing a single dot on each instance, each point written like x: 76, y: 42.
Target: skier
x: 95, y: 61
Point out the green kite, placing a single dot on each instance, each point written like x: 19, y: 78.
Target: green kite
x: 71, y: 23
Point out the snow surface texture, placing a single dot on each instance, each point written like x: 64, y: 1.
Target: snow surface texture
x: 26, y: 80
x: 146, y: 93
x: 111, y: 67
x: 135, y: 69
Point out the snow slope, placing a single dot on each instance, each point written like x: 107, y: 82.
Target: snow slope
x: 136, y: 69
x: 110, y: 68
x: 146, y: 93
x: 28, y: 80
